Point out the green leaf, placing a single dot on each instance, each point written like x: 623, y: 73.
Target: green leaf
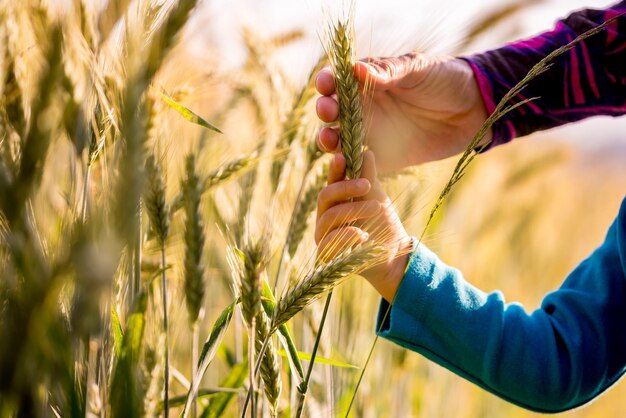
x: 188, y: 114
x: 240, y: 254
x: 219, y: 403
x: 118, y: 333
x: 202, y: 394
x: 320, y: 360
x: 126, y: 388
x: 208, y: 352
x: 269, y: 304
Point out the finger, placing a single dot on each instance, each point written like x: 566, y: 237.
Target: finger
x: 328, y: 140
x: 345, y: 214
x: 337, y: 169
x: 368, y: 171
x: 325, y: 82
x: 340, y: 192
x: 385, y: 73
x: 327, y: 109
x: 339, y: 240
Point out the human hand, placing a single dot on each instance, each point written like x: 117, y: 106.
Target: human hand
x: 422, y: 109
x: 352, y: 212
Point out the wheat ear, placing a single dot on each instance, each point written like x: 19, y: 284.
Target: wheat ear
x: 158, y: 214
x: 255, y: 261
x: 323, y: 279
x: 225, y: 172
x: 194, y: 241
x: 154, y: 199
x: 351, y: 130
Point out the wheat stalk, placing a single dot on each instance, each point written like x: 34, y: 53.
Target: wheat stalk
x: 158, y: 213
x: 341, y: 55
x: 270, y: 370
x: 323, y: 278
x: 194, y: 245
x: 254, y: 264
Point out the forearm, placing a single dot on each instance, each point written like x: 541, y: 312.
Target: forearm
x: 589, y: 80
x: 556, y: 358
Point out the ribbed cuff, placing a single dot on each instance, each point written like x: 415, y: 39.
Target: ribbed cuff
x: 410, y: 301
x: 502, y: 130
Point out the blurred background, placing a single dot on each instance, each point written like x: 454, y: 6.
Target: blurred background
x: 524, y: 215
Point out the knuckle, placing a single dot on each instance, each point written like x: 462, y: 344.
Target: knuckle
x: 345, y: 189
x: 323, y: 225
x: 322, y: 197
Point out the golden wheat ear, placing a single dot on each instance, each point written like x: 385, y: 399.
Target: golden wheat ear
x: 341, y: 54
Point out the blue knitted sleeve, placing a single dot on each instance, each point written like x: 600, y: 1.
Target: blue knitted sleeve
x: 556, y: 358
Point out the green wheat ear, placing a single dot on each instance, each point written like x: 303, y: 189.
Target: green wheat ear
x: 194, y: 241
x: 351, y: 130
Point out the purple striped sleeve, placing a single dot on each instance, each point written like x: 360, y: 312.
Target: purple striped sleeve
x: 589, y: 80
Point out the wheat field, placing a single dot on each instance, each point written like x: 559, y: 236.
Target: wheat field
x: 156, y: 225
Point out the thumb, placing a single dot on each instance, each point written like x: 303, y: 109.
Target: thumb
x: 385, y: 73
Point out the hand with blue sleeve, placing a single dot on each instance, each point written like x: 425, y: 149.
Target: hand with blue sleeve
x: 573, y: 347
x: 552, y: 359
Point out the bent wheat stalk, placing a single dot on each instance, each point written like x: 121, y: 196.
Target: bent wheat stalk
x: 341, y: 55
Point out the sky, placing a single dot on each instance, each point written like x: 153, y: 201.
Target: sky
x: 383, y: 27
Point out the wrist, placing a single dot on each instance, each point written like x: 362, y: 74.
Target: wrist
x: 389, y: 284
x: 479, y: 94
